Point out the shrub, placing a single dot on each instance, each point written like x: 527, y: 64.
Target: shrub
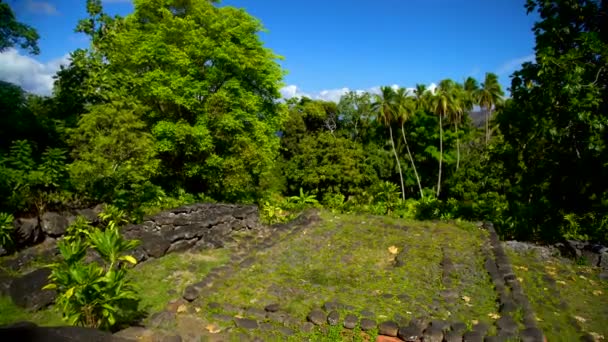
x: 333, y: 201
x: 95, y: 294
x: 6, y: 231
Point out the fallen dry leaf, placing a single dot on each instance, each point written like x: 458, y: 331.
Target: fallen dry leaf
x: 212, y: 328
x: 466, y: 299
x: 597, y: 293
x: 494, y: 315
x: 561, y: 282
x: 474, y: 322
x: 580, y: 319
x: 182, y: 308
x: 393, y: 250
x: 582, y: 277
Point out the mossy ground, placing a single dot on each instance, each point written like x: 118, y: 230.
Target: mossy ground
x: 568, y: 299
x: 160, y: 280
x: 346, y: 258
x: 157, y: 282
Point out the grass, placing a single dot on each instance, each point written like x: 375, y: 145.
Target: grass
x: 351, y: 259
x: 157, y: 281
x: 568, y: 298
x: 11, y: 313
x: 161, y: 280
x: 346, y: 258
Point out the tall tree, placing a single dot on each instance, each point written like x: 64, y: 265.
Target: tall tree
x: 555, y: 126
x: 443, y: 103
x: 490, y: 95
x: 209, y: 85
x: 421, y: 93
x: 14, y: 33
x: 385, y: 109
x: 406, y: 108
x: 463, y: 103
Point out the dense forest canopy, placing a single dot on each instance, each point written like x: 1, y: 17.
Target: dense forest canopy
x: 179, y: 102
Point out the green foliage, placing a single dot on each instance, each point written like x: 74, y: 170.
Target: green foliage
x: 96, y: 295
x: 6, y: 231
x: 334, y: 201
x: 554, y: 127
x: 113, y: 216
x: 272, y: 213
x: 29, y: 184
x: 14, y: 33
x: 304, y: 199
x: 78, y: 230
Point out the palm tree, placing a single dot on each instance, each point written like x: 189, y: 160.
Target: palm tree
x: 466, y: 100
x: 489, y: 95
x: 442, y: 104
x: 384, y: 107
x: 422, y: 95
x: 405, y: 111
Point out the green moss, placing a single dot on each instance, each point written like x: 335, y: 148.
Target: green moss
x: 347, y: 258
x: 11, y: 313
x: 575, y: 303
x: 157, y: 279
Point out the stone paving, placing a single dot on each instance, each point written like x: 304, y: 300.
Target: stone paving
x: 516, y: 320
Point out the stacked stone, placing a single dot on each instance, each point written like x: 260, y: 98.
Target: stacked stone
x: 510, y: 294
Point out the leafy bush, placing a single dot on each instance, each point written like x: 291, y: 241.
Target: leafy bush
x: 272, y: 213
x: 6, y: 231
x: 95, y: 294
x: 303, y: 200
x: 333, y: 201
x: 78, y: 230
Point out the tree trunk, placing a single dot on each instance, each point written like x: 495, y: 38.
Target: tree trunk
x: 413, y: 164
x: 440, y: 154
x: 398, y: 163
x: 487, y: 125
x: 457, y: 147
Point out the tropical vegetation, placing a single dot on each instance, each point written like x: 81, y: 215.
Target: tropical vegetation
x: 149, y: 117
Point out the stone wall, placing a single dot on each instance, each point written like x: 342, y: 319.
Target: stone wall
x: 198, y: 226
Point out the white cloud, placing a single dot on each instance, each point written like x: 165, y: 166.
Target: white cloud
x: 30, y: 74
x: 335, y: 94
x: 510, y: 66
x: 41, y: 7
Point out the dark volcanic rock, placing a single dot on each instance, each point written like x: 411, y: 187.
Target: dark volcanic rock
x: 191, y: 293
x: 27, y: 231
x: 388, y: 328
x: 317, y: 317
x: 453, y: 336
x: 154, y: 245
x: 27, y: 291
x: 333, y: 318
x: 162, y: 319
x: 472, y: 336
x: 367, y: 324
x: 54, y: 224
x: 272, y: 307
x: 246, y: 323
x: 433, y: 334
x: 410, y: 333
x: 532, y: 335
x: 507, y: 324
x: 32, y: 333
x: 350, y: 321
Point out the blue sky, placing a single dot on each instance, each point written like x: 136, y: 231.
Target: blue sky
x: 329, y: 46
